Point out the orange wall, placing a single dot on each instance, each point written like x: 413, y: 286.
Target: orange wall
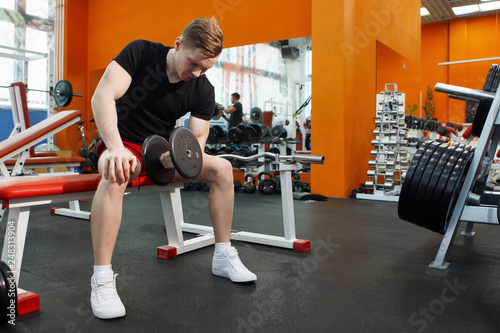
x: 344, y: 81
x: 435, y: 50
x: 75, y: 70
x: 472, y: 38
x: 393, y: 68
x: 114, y: 23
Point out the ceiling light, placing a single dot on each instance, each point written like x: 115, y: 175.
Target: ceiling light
x: 424, y: 11
x: 484, y: 7
x: 462, y: 10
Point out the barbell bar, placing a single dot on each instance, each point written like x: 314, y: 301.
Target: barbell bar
x: 294, y: 158
x: 62, y: 93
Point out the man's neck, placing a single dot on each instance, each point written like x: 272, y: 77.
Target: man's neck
x: 171, y: 73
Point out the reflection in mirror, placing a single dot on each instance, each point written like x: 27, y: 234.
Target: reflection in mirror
x: 274, y: 76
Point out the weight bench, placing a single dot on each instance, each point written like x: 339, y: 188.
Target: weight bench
x: 19, y: 194
x: 34, y: 160
x: 21, y: 143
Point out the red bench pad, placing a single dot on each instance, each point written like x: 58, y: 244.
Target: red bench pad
x: 34, y: 186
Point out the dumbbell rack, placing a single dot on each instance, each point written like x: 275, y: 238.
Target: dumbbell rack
x: 477, y: 199
x: 391, y: 160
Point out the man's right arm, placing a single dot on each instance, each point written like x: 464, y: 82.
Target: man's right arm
x: 113, y: 85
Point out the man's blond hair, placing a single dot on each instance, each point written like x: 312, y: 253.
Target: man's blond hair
x: 205, y: 34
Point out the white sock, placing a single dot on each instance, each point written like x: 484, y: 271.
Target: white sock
x: 221, y: 247
x: 103, y: 268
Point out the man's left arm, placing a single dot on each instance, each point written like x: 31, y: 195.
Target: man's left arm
x: 201, y: 129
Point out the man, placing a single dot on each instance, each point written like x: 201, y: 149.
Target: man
x: 235, y: 111
x: 143, y: 91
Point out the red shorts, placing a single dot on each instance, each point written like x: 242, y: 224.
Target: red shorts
x: 134, y: 148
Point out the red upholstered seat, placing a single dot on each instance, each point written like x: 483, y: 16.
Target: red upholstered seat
x: 34, y: 186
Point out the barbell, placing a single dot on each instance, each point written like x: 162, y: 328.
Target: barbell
x: 62, y: 93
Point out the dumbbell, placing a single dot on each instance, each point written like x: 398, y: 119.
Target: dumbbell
x: 235, y: 134
x: 185, y: 152
x: 251, y: 133
x: 278, y: 132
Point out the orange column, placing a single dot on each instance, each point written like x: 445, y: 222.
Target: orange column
x: 344, y: 35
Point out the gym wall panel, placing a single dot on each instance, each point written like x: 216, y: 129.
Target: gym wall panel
x: 75, y: 70
x: 471, y: 38
x: 344, y: 35
x: 435, y: 37
x: 114, y: 23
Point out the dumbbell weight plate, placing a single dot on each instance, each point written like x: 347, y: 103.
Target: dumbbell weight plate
x: 186, y: 153
x: 152, y: 149
x: 277, y: 131
x: 250, y: 134
x: 212, y: 135
x: 266, y: 132
x: 257, y: 129
x: 234, y: 134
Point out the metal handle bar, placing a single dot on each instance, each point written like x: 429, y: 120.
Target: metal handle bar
x: 464, y: 92
x: 294, y: 158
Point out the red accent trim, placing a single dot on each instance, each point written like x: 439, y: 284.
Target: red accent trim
x: 5, y: 203
x: 53, y: 210
x: 27, y: 302
x: 166, y: 252
x: 467, y: 132
x: 301, y: 245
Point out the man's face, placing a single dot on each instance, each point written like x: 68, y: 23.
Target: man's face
x: 190, y: 63
x: 233, y: 99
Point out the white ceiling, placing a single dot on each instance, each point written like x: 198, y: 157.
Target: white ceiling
x: 441, y: 10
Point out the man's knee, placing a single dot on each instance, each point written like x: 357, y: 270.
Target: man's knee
x: 222, y: 171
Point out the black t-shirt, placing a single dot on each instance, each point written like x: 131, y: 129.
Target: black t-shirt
x: 152, y: 104
x: 236, y: 117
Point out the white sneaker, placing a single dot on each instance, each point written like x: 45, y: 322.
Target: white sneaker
x: 228, y: 264
x: 106, y: 303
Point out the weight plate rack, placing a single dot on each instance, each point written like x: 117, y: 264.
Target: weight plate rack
x: 390, y: 158
x: 448, y: 184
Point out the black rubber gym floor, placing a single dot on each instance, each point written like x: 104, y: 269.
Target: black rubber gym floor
x: 366, y: 272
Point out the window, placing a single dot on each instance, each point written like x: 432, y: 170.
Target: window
x: 26, y: 25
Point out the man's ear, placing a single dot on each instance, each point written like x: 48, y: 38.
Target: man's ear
x: 178, y: 43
